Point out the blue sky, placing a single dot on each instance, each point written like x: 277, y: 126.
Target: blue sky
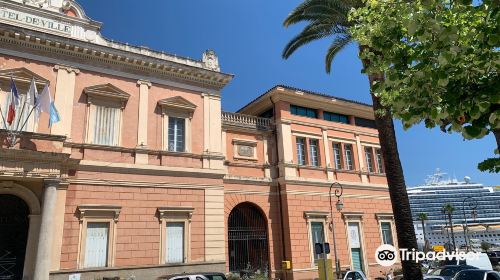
x: 248, y: 37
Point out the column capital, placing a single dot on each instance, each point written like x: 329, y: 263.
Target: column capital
x: 144, y: 83
x: 69, y: 69
x: 52, y: 182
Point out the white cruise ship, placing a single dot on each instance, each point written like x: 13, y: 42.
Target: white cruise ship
x: 476, y: 205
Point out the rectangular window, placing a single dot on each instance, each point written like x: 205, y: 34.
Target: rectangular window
x: 106, y: 125
x: 349, y: 165
x: 380, y: 163
x: 313, y: 152
x: 369, y: 159
x: 355, y: 245
x: 385, y: 227
x: 303, y: 111
x: 365, y: 123
x: 317, y: 236
x: 334, y: 117
x: 176, y: 134
x: 301, y: 150
x: 337, y: 155
x: 175, y: 243
x: 96, y: 245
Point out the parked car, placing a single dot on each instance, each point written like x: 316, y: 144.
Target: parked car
x: 195, y: 276
x: 494, y: 257
x: 482, y: 262
x: 477, y: 274
x: 432, y: 277
x: 355, y: 275
x: 448, y: 271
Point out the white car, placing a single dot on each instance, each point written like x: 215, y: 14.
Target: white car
x: 477, y: 274
x: 355, y: 275
x: 482, y: 262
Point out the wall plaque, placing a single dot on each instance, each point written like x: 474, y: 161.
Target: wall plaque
x: 245, y: 151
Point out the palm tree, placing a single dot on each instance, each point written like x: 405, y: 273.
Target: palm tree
x: 423, y: 217
x: 449, y: 209
x: 328, y: 19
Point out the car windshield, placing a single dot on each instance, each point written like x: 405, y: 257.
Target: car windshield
x: 215, y: 277
x: 436, y: 272
x: 470, y: 275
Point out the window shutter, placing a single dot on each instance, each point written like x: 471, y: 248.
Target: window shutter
x: 106, y: 126
x: 175, y: 242
x: 96, y: 245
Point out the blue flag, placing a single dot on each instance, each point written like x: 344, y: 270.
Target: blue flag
x: 54, y: 115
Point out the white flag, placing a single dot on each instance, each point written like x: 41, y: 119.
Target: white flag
x: 45, y: 99
x: 32, y: 94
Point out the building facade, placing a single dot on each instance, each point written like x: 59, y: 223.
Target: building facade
x: 476, y: 215
x: 144, y: 175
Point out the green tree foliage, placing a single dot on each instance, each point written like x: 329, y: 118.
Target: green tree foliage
x: 441, y: 62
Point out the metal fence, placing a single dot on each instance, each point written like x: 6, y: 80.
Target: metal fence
x: 248, y: 242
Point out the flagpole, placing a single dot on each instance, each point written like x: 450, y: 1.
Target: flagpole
x: 3, y: 118
x: 20, y: 116
x: 27, y: 119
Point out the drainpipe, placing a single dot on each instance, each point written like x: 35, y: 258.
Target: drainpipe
x: 283, y: 244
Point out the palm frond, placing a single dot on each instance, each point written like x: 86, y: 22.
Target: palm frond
x: 312, y: 10
x: 312, y: 33
x: 338, y: 44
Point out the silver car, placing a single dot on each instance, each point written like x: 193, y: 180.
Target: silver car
x: 477, y: 274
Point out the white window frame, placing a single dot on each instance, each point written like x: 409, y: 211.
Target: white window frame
x: 175, y: 215
x: 170, y: 120
x: 177, y: 107
x: 94, y: 213
x: 348, y: 159
x: 106, y: 95
x: 337, y: 157
x: 356, y: 217
x: 320, y: 217
x: 379, y: 160
x: 314, y: 153
x: 389, y: 218
x: 369, y: 159
x: 301, y: 156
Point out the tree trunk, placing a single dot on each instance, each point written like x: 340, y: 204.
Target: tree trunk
x: 425, y: 238
x: 452, y: 233
x: 496, y: 132
x: 395, y: 180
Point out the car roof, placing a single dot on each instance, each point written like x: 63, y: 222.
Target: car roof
x: 455, y: 265
x: 477, y: 270
x: 188, y: 274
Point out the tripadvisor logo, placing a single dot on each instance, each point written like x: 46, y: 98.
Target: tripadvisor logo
x: 387, y: 255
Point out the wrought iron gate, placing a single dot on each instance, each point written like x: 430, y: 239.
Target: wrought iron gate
x: 13, y: 236
x: 248, y: 242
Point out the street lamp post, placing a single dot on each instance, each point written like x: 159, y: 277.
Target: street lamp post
x: 473, y: 205
x: 339, y: 205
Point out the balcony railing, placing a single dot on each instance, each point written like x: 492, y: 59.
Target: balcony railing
x: 246, y: 121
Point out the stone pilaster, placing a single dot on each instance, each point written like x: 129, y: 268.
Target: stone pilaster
x: 63, y: 99
x: 214, y: 225
x: 326, y: 147
x: 142, y: 125
x: 361, y: 161
x: 212, y: 130
x: 44, y: 248
x: 285, y: 152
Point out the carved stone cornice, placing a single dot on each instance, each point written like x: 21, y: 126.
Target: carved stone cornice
x: 144, y: 82
x: 69, y: 69
x: 35, y: 164
x: 99, y: 210
x: 169, y: 211
x: 162, y: 67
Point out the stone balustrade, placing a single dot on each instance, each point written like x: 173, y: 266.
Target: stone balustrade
x: 246, y: 121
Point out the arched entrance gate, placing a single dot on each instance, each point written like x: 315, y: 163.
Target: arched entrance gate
x: 14, y: 225
x: 248, y: 242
